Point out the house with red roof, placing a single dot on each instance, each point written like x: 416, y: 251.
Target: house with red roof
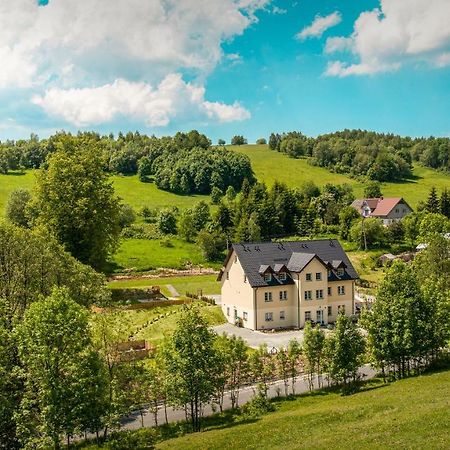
x: 389, y: 210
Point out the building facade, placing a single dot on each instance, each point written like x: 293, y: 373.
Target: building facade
x: 282, y: 285
x: 388, y: 210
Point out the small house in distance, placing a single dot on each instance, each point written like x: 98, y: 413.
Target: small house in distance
x: 285, y: 284
x: 389, y: 210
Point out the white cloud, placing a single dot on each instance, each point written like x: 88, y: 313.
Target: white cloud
x: 71, y: 44
x: 398, y: 32
x: 443, y: 60
x: 278, y: 10
x: 320, y: 25
x: 172, y: 98
x: 338, y: 44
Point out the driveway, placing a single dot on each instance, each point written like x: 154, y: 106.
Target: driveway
x: 278, y: 339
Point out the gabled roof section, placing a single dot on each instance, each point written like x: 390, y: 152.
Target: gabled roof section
x: 386, y: 205
x: 379, y: 207
x: 252, y: 256
x: 277, y: 268
x: 299, y: 261
x: 264, y: 268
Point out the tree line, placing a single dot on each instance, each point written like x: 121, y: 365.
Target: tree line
x: 185, y: 163
x: 377, y: 156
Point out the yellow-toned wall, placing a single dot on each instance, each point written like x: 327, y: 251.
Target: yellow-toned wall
x: 237, y: 293
x: 289, y: 307
x: 335, y: 299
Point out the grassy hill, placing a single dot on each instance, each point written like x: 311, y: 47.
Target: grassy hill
x: 129, y: 188
x: 270, y: 165
x: 413, y: 413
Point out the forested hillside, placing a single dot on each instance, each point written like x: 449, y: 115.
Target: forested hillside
x: 185, y: 163
x: 382, y: 157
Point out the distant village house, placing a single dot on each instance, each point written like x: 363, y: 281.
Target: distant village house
x: 388, y: 210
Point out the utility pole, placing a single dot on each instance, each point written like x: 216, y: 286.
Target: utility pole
x: 365, y: 213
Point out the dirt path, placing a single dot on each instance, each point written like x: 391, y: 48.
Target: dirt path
x: 172, y: 290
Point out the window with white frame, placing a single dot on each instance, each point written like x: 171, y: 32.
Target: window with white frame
x: 267, y: 277
x: 283, y: 295
x: 307, y: 316
x: 318, y: 276
x: 308, y: 295
x: 282, y: 276
x: 341, y: 290
x: 282, y: 316
x: 329, y: 290
x: 267, y: 296
x: 319, y: 293
x: 309, y: 277
x: 340, y: 272
x: 330, y: 310
x: 269, y: 317
x: 245, y: 315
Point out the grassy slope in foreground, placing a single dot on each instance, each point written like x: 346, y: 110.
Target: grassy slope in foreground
x: 412, y: 413
x: 270, y: 165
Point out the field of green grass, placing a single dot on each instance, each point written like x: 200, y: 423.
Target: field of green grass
x: 129, y: 188
x: 156, y: 332
x: 142, y: 255
x: 412, y: 413
x: 129, y: 321
x: 206, y: 283
x: 270, y: 166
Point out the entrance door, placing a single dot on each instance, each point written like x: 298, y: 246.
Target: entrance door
x: 319, y: 316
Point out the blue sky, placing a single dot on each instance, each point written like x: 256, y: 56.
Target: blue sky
x: 225, y: 67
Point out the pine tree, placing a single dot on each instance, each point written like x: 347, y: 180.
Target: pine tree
x: 432, y: 204
x: 445, y: 203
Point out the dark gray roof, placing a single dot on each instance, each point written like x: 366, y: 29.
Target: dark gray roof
x: 295, y: 255
x: 298, y: 261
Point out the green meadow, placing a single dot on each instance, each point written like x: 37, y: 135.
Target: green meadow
x: 270, y: 166
x: 412, y: 413
x: 192, y: 284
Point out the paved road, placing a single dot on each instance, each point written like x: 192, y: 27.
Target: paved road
x: 134, y: 420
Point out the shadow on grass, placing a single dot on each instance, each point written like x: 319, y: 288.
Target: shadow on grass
x: 15, y: 173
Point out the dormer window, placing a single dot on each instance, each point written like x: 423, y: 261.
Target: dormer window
x: 340, y: 272
x: 267, y: 277
x: 282, y: 276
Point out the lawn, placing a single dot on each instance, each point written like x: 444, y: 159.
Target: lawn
x: 156, y: 332
x: 193, y: 284
x: 270, y: 165
x: 142, y: 254
x: 129, y: 188
x: 11, y: 182
x: 413, y: 413
x: 139, y: 194
x: 135, y: 322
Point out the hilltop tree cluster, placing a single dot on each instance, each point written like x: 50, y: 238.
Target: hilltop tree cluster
x: 185, y: 163
x: 378, y: 156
